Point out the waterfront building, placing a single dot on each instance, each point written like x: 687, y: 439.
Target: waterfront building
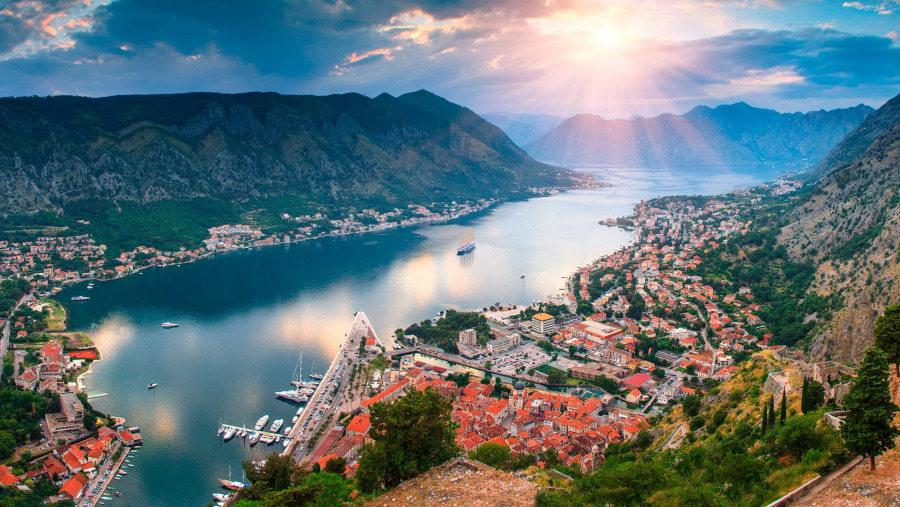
x: 543, y: 324
x: 510, y: 341
x: 468, y: 337
x: 70, y: 420
x: 74, y: 487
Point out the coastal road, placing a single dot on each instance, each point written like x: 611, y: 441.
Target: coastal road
x: 321, y: 405
x: 4, y: 341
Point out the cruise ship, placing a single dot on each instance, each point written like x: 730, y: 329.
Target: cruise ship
x: 261, y: 423
x: 276, y: 425
x: 295, y: 395
x: 80, y: 298
x: 466, y: 243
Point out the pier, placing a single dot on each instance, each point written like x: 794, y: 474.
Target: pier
x: 262, y: 433
x: 327, y: 398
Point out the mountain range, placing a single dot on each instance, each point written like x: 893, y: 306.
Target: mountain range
x: 524, y: 128
x: 344, y: 150
x: 849, y: 228
x: 728, y: 134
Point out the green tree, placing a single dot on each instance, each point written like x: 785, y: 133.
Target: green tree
x: 868, y: 428
x: 336, y: 466
x: 629, y: 483
x: 887, y: 335
x: 691, y: 405
x: 411, y: 435
x: 765, y: 417
x: 495, y: 455
x: 279, y: 473
x: 783, y: 407
x: 804, y: 396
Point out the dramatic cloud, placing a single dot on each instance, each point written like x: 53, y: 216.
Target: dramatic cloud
x: 614, y: 58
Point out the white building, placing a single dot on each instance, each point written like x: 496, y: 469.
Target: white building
x: 543, y: 324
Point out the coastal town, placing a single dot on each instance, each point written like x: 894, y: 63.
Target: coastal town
x: 560, y: 381
x: 51, y: 260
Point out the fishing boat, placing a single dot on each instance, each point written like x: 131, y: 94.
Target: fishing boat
x: 152, y: 385
x: 261, y: 423
x: 466, y: 243
x: 168, y: 325
x: 81, y: 298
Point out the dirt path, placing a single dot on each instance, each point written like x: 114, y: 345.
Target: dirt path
x: 860, y: 487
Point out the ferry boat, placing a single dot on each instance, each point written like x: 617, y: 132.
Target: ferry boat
x: 466, y: 243
x: 80, y: 298
x: 152, y: 385
x: 168, y: 325
x: 276, y: 425
x: 229, y: 434
x: 261, y: 423
x: 294, y: 395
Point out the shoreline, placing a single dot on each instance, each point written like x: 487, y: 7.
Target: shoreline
x: 395, y: 225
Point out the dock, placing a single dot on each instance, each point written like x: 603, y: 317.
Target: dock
x: 261, y: 432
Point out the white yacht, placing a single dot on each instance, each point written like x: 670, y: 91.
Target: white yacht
x: 276, y: 425
x: 261, y: 423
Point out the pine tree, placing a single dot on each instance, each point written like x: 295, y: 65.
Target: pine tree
x: 772, y: 411
x: 868, y: 428
x: 804, y: 397
x: 783, y: 406
x: 887, y: 335
x: 765, y: 419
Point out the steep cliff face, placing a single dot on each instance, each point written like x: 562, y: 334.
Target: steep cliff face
x: 850, y: 227
x: 339, y: 149
x: 732, y: 134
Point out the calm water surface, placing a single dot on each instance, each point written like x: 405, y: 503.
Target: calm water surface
x: 245, y: 316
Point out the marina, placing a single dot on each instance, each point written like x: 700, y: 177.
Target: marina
x: 229, y: 431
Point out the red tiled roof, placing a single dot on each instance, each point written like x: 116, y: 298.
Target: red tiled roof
x: 360, y: 424
x: 8, y: 479
x: 73, y: 486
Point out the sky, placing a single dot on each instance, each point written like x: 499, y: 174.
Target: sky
x: 558, y: 57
